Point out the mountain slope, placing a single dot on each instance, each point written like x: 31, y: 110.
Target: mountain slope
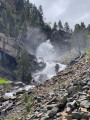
x: 67, y: 95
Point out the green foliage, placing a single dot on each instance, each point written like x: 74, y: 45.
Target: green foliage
x: 55, y: 26
x: 16, y: 31
x: 9, y: 119
x: 1, y: 25
x: 64, y: 82
x: 3, y: 81
x: 25, y: 97
x: 31, y: 100
x: 66, y: 27
x: 15, y: 18
x: 23, y: 66
x: 88, y: 54
x: 27, y: 107
x: 60, y: 24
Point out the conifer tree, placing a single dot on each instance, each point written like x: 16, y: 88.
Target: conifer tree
x: 66, y: 27
x: 60, y: 25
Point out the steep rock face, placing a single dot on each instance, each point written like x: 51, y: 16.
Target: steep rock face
x: 9, y: 46
x: 61, y: 39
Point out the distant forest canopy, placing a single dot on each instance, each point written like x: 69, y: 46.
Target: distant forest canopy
x: 16, y: 16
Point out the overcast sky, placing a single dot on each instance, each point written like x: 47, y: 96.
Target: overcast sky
x: 72, y: 11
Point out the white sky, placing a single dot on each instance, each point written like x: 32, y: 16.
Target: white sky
x: 71, y: 11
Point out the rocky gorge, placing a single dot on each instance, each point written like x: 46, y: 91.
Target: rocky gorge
x: 66, y: 96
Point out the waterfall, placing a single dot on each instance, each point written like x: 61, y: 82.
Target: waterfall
x: 46, y: 52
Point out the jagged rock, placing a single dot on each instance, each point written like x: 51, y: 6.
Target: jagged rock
x: 45, y: 118
x: 51, y: 94
x: 52, y: 100
x: 68, y: 110
x: 88, y: 83
x: 86, y: 87
x: 58, y: 114
x: 85, y: 104
x: 2, y: 99
x: 85, y: 116
x: 83, y: 82
x: 88, y: 92
x: 39, y: 99
x: 20, y: 91
x: 77, y: 115
x: 8, y: 96
x: 39, y: 115
x: 50, y: 107
x: 84, y: 110
x: 68, y: 117
x: 73, y: 90
x: 53, y: 112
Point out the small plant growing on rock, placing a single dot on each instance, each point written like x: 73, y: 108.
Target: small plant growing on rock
x: 3, y: 81
x: 27, y: 107
x: 88, y: 54
x: 25, y: 97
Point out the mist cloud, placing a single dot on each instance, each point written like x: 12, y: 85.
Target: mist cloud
x: 72, y: 11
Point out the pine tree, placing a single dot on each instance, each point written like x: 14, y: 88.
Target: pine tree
x: 23, y: 66
x: 83, y: 25
x: 1, y: 25
x: 55, y: 26
x: 27, y: 9
x: 66, y: 27
x: 60, y: 25
x: 41, y: 10
x: 16, y: 31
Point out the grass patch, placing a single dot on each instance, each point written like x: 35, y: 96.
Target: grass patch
x: 63, y: 83
x: 3, y: 81
x: 88, y: 54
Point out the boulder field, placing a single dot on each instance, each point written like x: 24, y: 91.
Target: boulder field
x: 64, y: 97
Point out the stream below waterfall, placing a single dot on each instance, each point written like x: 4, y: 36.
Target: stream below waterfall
x: 46, y: 53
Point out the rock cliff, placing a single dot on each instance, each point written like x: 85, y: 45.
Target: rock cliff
x: 9, y: 46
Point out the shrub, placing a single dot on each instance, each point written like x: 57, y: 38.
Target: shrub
x: 88, y: 54
x: 25, y: 97
x: 3, y: 81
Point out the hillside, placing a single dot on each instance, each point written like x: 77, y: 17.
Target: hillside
x: 44, y: 67
x: 65, y: 96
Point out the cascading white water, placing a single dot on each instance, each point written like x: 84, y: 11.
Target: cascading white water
x: 46, y: 52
